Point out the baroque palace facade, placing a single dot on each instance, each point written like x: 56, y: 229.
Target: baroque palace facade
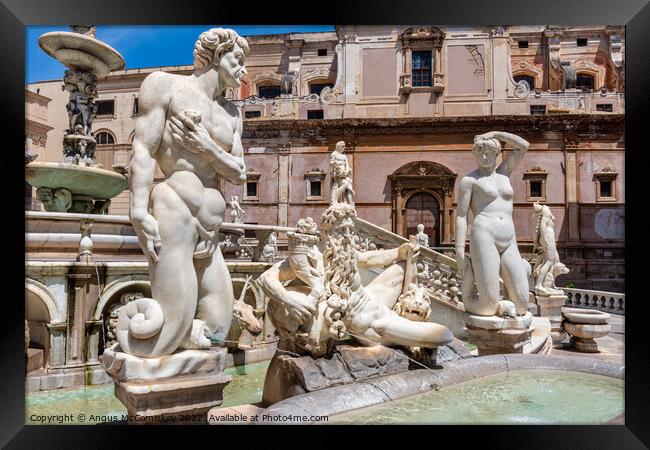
x: 408, y: 102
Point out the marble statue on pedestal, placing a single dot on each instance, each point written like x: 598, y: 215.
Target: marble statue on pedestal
x: 193, y: 133
x: 546, y: 263
x: 487, y: 193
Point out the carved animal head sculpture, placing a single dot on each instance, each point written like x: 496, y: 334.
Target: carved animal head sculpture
x: 414, y: 304
x: 245, y: 314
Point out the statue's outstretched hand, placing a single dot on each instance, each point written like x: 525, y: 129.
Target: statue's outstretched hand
x: 148, y: 234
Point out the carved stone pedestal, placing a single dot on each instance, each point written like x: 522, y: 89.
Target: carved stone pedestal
x: 550, y: 306
x: 179, y: 388
x: 497, y: 335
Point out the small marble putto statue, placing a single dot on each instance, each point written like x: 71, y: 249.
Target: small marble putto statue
x: 271, y: 247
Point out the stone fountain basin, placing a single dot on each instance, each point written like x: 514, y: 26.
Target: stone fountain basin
x: 79, y: 180
x: 78, y: 51
x: 587, y: 331
x: 375, y: 391
x: 585, y: 316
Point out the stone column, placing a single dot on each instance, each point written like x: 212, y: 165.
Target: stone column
x: 93, y: 330
x: 284, y: 182
x: 446, y: 217
x: 571, y: 144
x: 83, y: 293
x: 399, y: 214
x: 58, y: 334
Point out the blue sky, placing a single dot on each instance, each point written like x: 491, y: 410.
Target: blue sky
x: 142, y: 45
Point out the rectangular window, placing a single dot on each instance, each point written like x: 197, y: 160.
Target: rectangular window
x: 252, y: 114
x: 251, y: 189
x: 315, y: 188
x: 581, y: 42
x: 135, y: 106
x: 606, y: 189
x: 421, y: 68
x: 535, y: 189
x: 522, y: 44
x: 105, y: 107
x: 315, y: 114
x: 322, y: 52
x: 605, y: 107
x: 538, y: 109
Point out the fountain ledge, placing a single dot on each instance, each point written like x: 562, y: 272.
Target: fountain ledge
x: 362, y: 394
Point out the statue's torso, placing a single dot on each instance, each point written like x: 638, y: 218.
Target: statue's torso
x: 220, y: 120
x: 491, y: 204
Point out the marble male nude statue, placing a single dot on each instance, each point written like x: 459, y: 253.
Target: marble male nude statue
x: 193, y: 134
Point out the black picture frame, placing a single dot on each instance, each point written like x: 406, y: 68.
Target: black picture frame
x: 635, y: 14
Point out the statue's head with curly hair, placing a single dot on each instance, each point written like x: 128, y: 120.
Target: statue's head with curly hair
x: 225, y: 51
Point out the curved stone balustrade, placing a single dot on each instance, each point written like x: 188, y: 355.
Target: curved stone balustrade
x: 611, y: 302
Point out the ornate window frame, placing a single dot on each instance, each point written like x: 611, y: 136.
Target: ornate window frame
x: 315, y: 175
x: 418, y: 39
x: 322, y: 75
x: 608, y: 175
x: 588, y: 68
x: 252, y: 176
x: 526, y: 68
x: 532, y: 175
x: 265, y: 79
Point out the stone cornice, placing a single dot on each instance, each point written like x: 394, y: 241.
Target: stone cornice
x: 583, y: 124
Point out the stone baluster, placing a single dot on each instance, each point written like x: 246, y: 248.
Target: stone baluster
x: 453, y: 288
x: 86, y: 243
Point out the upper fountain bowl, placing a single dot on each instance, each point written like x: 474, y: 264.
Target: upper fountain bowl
x: 81, y: 52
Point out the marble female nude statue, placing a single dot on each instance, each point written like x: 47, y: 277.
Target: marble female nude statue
x: 487, y: 193
x: 193, y: 133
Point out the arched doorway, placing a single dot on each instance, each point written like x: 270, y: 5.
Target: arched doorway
x: 424, y: 208
x: 422, y: 192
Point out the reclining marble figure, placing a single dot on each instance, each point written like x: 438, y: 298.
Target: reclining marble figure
x: 316, y: 297
x: 193, y: 133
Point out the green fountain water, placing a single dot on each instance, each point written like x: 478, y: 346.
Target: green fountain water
x: 518, y: 397
x: 97, y: 404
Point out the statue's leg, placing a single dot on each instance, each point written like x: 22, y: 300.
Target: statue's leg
x: 387, y: 286
x: 485, y: 260
x: 396, y: 330
x: 216, y: 297
x: 543, y: 271
x: 514, y: 276
x: 172, y: 277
